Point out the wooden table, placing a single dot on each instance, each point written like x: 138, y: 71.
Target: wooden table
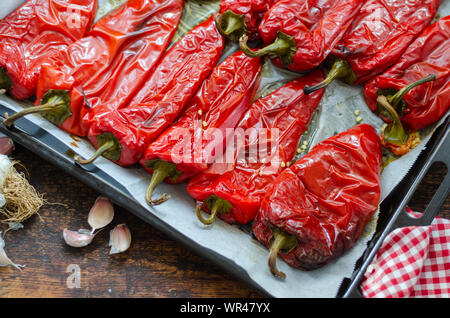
x: 154, y: 266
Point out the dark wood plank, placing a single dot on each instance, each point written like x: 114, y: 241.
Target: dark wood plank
x: 154, y: 266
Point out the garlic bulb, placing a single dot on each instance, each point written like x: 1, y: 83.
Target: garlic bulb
x: 2, y: 200
x: 19, y: 200
x: 5, y: 164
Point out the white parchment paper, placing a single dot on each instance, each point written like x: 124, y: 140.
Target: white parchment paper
x: 336, y: 114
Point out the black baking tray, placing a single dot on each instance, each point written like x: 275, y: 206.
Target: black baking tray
x: 392, y: 208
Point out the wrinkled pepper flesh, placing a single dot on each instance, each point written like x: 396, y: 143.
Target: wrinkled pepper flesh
x: 239, y: 17
x: 35, y: 31
x: 160, y: 101
x: 320, y: 206
x: 415, y: 89
x: 273, y: 125
x: 198, y: 137
x: 380, y: 32
x: 104, y: 69
x: 299, y: 34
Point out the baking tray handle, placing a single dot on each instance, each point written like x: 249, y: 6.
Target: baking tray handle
x: 441, y: 155
x: 400, y: 218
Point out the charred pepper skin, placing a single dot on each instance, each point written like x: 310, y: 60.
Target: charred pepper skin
x: 299, y: 34
x: 427, y: 103
x: 243, y: 184
x: 239, y: 17
x: 36, y: 31
x: 192, y: 143
x: 378, y: 35
x: 164, y: 95
x: 105, y: 68
x: 324, y: 201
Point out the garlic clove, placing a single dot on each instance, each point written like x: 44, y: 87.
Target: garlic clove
x: 119, y: 239
x: 80, y: 238
x: 101, y: 213
x: 4, y: 259
x: 6, y: 145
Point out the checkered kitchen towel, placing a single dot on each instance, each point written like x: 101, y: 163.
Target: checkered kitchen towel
x: 412, y: 262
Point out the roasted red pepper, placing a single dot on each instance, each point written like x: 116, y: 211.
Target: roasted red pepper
x: 416, y: 89
x: 34, y: 32
x: 275, y: 122
x: 379, y: 34
x: 107, y: 66
x: 199, y: 136
x: 123, y: 135
x: 300, y: 34
x: 319, y: 207
x: 239, y: 17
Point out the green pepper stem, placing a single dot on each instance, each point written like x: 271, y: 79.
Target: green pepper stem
x: 277, y: 48
x: 212, y: 216
x: 52, y: 104
x: 339, y: 69
x: 234, y: 25
x: 217, y: 206
x: 161, y: 171
x: 394, y: 133
x: 218, y: 21
x: 280, y: 239
x: 284, y: 47
x: 397, y: 97
x: 105, y: 147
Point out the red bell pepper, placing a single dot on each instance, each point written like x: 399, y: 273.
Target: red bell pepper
x: 275, y: 121
x: 239, y: 17
x: 34, y: 32
x: 416, y: 89
x: 123, y: 135
x: 299, y: 34
x: 379, y: 34
x: 199, y: 136
x: 107, y: 66
x: 319, y: 207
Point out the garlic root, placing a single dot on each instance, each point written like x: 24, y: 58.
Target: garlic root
x: 21, y: 200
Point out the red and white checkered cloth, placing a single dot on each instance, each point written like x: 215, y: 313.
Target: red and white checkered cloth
x: 412, y: 262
